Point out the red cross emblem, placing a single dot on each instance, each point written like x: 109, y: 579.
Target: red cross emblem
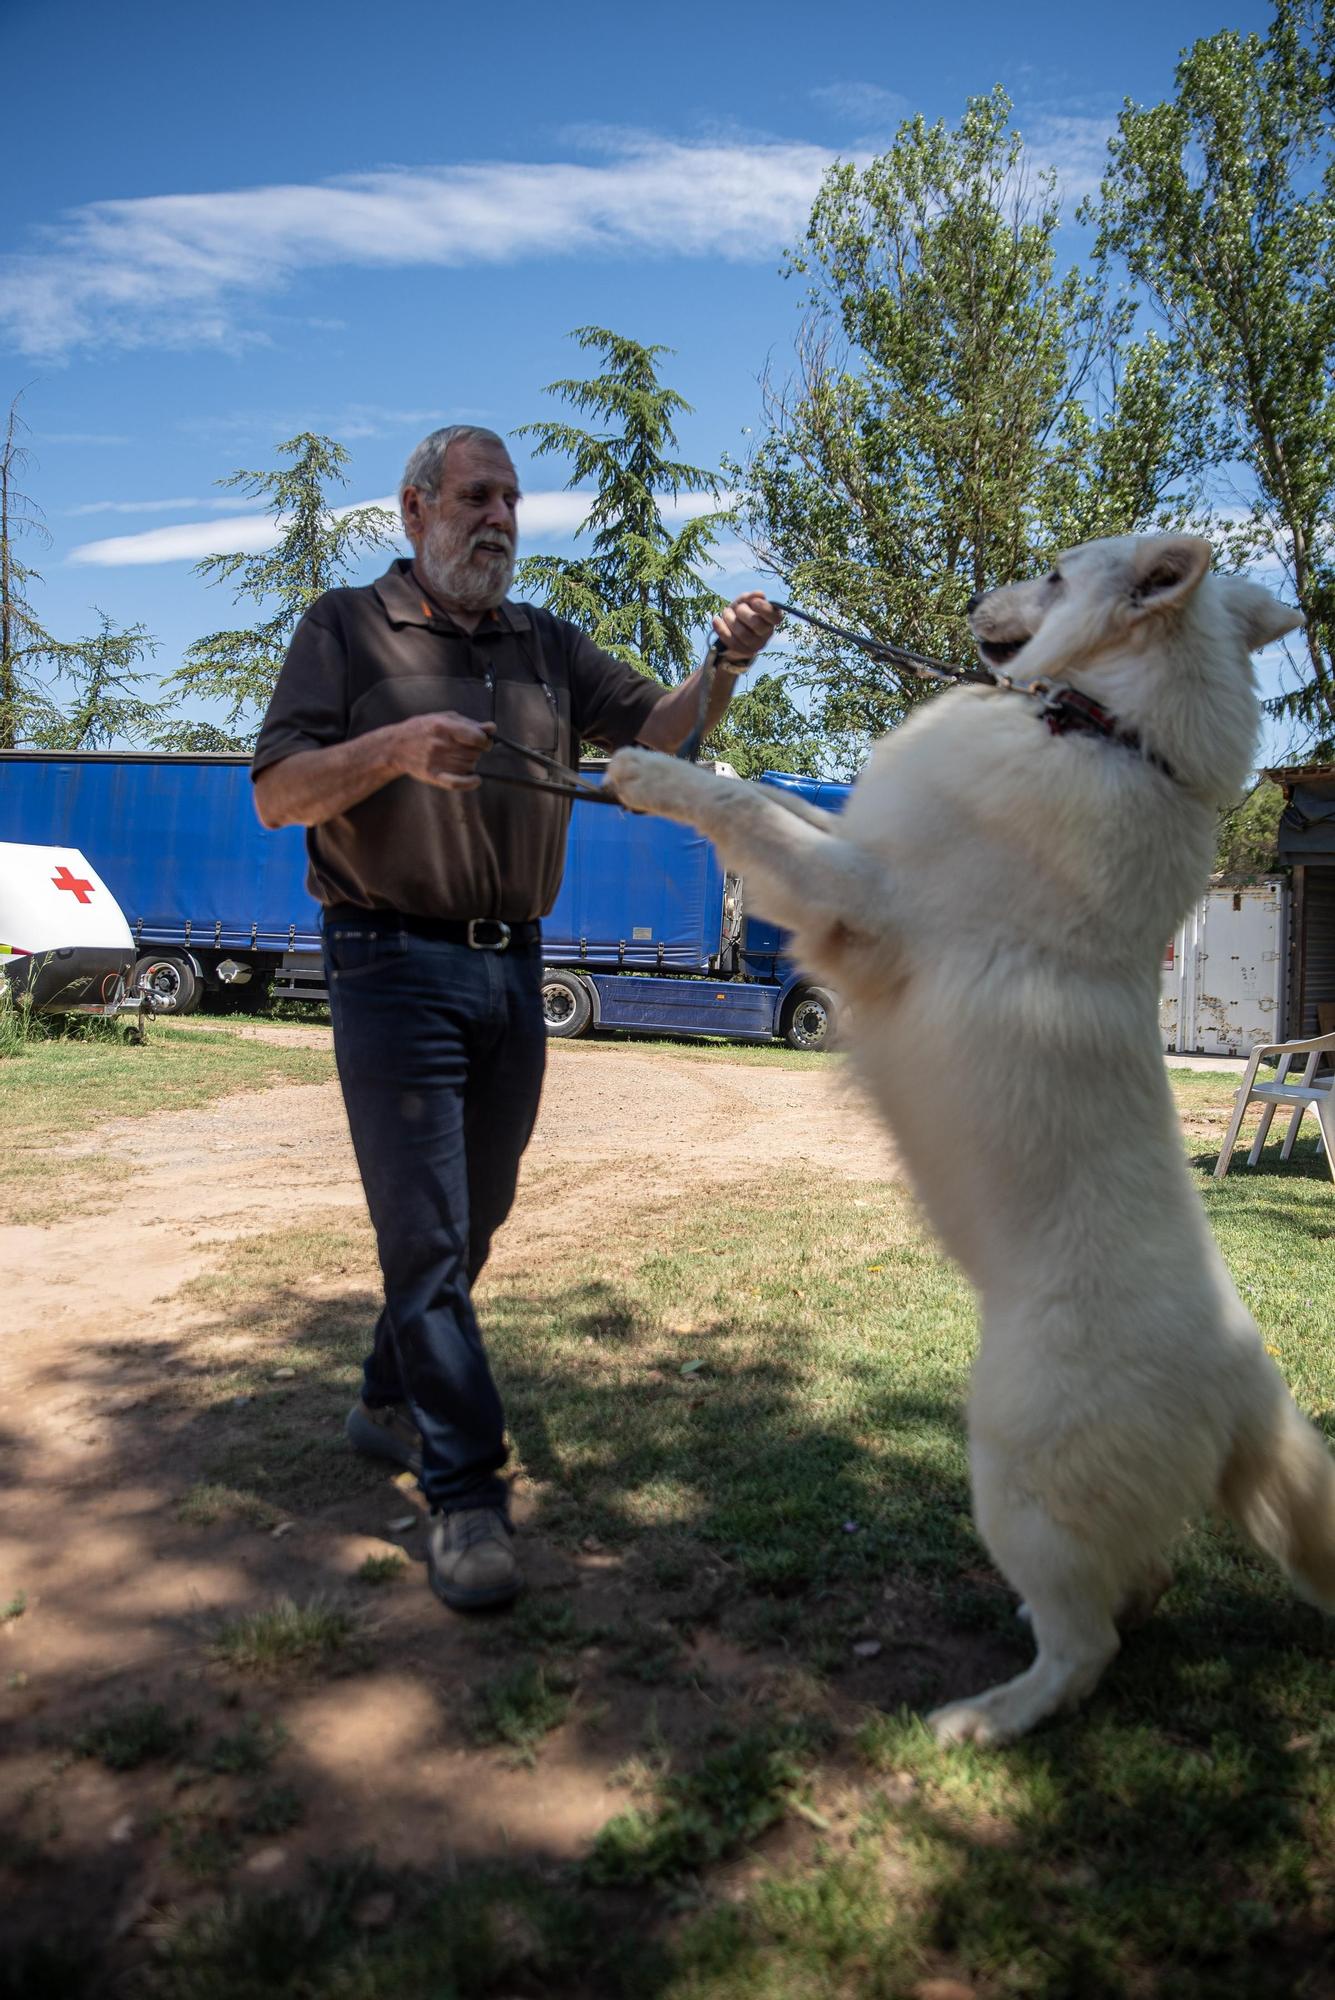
x: 74, y: 883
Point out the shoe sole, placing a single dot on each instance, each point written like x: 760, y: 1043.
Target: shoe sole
x: 475, y: 1600
x: 373, y: 1442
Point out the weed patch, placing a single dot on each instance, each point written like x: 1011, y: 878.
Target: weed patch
x: 285, y: 1637
x: 247, y: 1750
x: 382, y: 1569
x: 521, y: 1707
x: 703, y: 1816
x: 125, y: 1738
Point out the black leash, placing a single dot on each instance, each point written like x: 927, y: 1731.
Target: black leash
x: 574, y: 786
x: 1063, y: 709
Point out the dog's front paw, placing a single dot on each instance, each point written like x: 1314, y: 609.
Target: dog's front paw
x: 647, y: 781
x: 963, y: 1722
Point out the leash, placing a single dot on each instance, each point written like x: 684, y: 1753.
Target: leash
x: 1063, y: 710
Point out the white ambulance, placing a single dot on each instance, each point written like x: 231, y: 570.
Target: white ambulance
x: 64, y: 945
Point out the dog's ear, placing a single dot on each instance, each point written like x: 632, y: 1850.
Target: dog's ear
x: 1164, y: 571
x: 1261, y: 615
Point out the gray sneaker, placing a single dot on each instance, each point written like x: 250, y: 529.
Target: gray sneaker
x: 387, y: 1432
x: 469, y: 1558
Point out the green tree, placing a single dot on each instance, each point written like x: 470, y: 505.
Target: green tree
x: 638, y: 592
x: 1221, y: 204
x: 104, y: 705
x: 1248, y: 840
x: 315, y: 552
x: 960, y: 408
x: 764, y: 730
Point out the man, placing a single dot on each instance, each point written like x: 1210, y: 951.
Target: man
x: 433, y: 883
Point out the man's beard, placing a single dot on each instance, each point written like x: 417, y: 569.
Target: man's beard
x: 458, y: 573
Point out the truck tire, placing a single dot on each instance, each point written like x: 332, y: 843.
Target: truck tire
x: 172, y: 982
x: 811, y: 1019
x: 567, y: 1005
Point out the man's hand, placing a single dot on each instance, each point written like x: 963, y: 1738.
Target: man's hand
x: 749, y: 622
x: 441, y: 749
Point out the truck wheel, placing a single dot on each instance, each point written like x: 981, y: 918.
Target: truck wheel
x: 171, y: 982
x: 566, y: 1003
x: 812, y: 1019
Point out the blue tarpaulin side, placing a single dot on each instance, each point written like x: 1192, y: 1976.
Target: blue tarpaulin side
x: 644, y: 884
x: 175, y: 839
x: 764, y: 945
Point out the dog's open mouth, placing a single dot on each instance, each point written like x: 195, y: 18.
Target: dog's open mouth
x: 1000, y: 652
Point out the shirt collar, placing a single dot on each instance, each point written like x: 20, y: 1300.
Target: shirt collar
x: 404, y: 604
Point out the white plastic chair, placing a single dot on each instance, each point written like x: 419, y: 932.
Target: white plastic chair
x: 1301, y: 1092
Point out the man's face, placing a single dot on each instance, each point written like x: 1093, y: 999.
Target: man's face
x: 464, y: 536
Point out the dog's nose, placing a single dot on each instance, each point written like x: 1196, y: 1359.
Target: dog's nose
x: 974, y: 603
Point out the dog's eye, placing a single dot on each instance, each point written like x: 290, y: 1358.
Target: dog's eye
x: 1053, y: 579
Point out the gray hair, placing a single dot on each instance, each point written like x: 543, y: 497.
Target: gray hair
x: 426, y: 464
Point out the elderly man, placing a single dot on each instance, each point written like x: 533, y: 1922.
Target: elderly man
x: 433, y: 884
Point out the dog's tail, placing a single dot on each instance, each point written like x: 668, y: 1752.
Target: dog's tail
x: 1278, y: 1486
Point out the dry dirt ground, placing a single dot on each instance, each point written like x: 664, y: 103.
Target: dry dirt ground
x: 122, y: 1594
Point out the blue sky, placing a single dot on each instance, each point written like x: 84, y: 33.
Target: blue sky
x: 234, y: 224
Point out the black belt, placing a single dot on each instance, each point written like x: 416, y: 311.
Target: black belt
x: 478, y: 933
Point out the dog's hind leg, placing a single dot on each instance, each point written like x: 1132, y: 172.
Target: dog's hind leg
x: 1067, y: 1599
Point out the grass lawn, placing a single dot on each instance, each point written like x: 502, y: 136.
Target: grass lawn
x: 755, y: 1419
x: 57, y: 1086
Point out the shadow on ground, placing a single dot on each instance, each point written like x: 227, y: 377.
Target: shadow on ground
x: 717, y: 1572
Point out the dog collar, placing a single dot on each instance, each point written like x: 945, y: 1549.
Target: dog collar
x: 1066, y: 712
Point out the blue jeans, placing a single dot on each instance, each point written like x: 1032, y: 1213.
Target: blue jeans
x: 440, y: 1052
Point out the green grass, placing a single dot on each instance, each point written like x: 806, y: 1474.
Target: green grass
x: 522, y: 1706
x: 125, y: 1738
x: 246, y: 1750
x: 382, y: 1569
x: 703, y: 1816
x: 799, y: 1836
x: 15, y: 1608
x: 55, y: 1087
x: 755, y: 1055
x: 207, y: 1503
x: 287, y: 1636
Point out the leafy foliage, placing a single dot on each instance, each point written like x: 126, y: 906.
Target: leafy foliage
x: 960, y: 410
x: 314, y: 553
x: 1248, y: 843
x: 1221, y: 204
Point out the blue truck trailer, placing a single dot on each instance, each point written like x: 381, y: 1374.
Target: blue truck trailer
x: 649, y: 933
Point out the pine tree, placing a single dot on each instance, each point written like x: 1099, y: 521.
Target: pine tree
x: 638, y: 592
x: 105, y: 705
x: 315, y: 552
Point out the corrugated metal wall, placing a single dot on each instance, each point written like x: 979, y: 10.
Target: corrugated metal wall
x: 1314, y: 941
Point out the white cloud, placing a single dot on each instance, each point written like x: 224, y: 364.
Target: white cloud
x: 85, y: 438
x: 143, y: 506
x: 171, y: 268
x: 1075, y: 146
x: 544, y: 518
x: 864, y: 104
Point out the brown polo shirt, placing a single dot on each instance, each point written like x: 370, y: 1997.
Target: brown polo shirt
x: 363, y: 658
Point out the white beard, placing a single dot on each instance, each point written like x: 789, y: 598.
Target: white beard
x: 458, y: 575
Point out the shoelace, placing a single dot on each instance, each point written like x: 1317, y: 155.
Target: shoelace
x: 476, y: 1524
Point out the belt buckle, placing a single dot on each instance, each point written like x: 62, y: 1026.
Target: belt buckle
x: 498, y: 943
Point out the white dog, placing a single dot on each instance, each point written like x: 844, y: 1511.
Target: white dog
x: 993, y: 903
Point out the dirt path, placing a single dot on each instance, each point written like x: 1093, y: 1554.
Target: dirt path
x: 641, y: 1123
x: 122, y: 1594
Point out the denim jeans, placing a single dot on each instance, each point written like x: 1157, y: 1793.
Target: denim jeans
x: 440, y: 1052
